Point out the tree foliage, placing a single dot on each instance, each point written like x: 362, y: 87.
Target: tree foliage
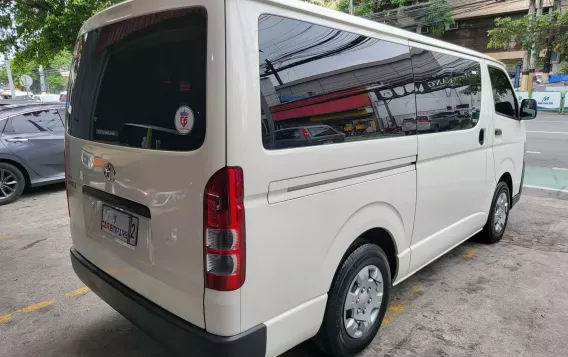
x: 437, y: 14
x: 532, y: 32
x: 38, y: 30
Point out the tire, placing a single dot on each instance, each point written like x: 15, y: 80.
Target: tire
x: 333, y: 336
x: 491, y: 234
x: 12, y: 183
x: 436, y: 128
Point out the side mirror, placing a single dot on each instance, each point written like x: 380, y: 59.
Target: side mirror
x: 528, y: 109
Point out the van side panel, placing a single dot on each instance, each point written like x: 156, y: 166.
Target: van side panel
x: 321, y: 197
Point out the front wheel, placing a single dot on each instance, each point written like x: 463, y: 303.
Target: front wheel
x: 498, y: 215
x: 12, y: 183
x: 357, y: 302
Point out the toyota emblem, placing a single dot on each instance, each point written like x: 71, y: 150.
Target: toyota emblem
x: 109, y: 172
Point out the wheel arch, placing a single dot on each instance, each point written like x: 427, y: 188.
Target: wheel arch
x: 378, y: 223
x: 20, y: 167
x: 507, y: 171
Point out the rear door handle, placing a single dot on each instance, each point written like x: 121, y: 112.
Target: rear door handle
x: 498, y: 132
x: 16, y: 140
x: 481, y: 136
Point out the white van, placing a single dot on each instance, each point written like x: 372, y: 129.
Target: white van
x: 191, y: 219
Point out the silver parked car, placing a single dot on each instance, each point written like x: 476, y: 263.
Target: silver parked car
x: 32, y: 142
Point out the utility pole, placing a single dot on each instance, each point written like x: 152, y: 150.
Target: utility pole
x: 351, y: 7
x: 527, y: 55
x: 534, y: 55
x: 42, y: 80
x: 10, y: 80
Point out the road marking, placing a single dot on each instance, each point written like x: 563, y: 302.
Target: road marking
x: 533, y: 152
x: 559, y: 169
x: 393, y: 311
x: 40, y: 305
x: 548, y: 132
x: 35, y: 307
x: 6, y: 317
x: 6, y: 237
x: 470, y: 252
x: 76, y: 292
x: 546, y: 188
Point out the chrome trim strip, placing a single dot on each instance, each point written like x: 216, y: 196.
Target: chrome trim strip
x: 347, y: 177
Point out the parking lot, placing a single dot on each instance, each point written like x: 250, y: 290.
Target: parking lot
x: 508, y: 299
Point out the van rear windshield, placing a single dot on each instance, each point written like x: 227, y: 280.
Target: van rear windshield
x: 141, y: 82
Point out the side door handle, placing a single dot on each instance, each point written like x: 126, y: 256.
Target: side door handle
x: 481, y: 136
x: 498, y: 132
x: 16, y: 140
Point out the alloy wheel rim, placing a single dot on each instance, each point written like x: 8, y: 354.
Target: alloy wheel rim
x: 8, y: 184
x: 363, y: 301
x: 501, y: 211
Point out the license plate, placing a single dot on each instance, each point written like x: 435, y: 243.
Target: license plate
x: 120, y: 225
x: 328, y: 142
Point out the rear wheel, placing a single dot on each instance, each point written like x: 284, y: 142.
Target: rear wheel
x: 357, y: 302
x: 12, y: 183
x: 498, y: 215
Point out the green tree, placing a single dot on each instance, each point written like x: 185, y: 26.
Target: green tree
x: 534, y: 33
x: 436, y: 15
x: 37, y: 30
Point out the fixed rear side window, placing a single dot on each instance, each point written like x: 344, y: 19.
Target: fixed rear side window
x: 448, y: 91
x: 313, y: 75
x: 141, y: 82
x: 503, y: 95
x: 35, y: 122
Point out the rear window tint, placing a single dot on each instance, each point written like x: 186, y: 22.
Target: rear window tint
x: 141, y: 83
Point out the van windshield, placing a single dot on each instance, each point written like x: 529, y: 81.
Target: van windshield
x: 141, y: 82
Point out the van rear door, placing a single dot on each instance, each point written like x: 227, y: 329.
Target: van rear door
x: 145, y: 132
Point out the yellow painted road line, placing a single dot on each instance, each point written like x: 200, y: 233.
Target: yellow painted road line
x: 6, y: 317
x: 40, y: 305
x: 6, y: 237
x: 76, y: 292
x: 35, y: 307
x: 393, y: 311
x: 470, y: 252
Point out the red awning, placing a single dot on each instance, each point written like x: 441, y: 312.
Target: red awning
x: 323, y: 104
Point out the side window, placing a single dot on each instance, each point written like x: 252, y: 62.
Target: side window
x: 448, y: 92
x: 339, y: 86
x: 503, y: 95
x: 35, y: 122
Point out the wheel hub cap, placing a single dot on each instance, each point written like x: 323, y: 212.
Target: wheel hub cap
x: 363, y: 301
x: 501, y: 211
x: 8, y: 184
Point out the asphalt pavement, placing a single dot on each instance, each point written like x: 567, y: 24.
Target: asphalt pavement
x: 506, y: 299
x: 547, y: 151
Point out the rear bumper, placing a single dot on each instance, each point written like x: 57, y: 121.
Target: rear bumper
x: 177, y: 334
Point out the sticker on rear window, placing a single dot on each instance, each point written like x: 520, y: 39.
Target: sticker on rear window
x: 184, y: 120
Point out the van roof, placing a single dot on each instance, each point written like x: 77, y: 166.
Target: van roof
x: 136, y: 8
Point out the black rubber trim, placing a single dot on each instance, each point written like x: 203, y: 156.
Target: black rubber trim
x: 517, y: 197
x: 119, y: 202
x: 178, y: 335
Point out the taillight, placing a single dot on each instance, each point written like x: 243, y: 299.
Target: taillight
x: 423, y: 121
x: 224, y: 230
x: 65, y: 155
x: 305, y: 132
